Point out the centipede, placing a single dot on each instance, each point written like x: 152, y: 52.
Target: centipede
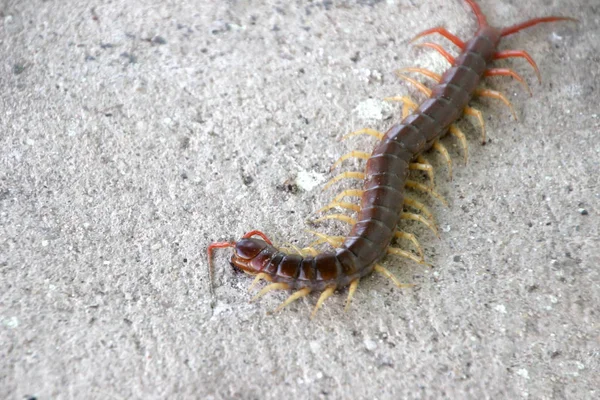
x: 383, y: 201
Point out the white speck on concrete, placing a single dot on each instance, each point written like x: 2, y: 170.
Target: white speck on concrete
x: 370, y: 344
x: 523, y: 373
x: 373, y: 110
x: 500, y: 308
x: 309, y: 180
x: 11, y: 322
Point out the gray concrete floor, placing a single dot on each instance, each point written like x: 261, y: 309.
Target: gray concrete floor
x: 135, y: 133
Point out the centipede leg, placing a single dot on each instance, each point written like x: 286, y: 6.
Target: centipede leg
x: 422, y: 188
x: 423, y: 71
x: 508, y: 72
x: 428, y: 168
x: 519, y: 53
x: 339, y: 217
x: 440, y: 148
x: 351, y: 290
x: 260, y: 276
x: 345, y: 175
x: 365, y: 131
x: 413, y: 240
x: 496, y: 95
x: 341, y: 204
x: 295, y: 296
x: 419, y: 218
x: 439, y: 49
x: 349, y: 193
x: 269, y: 288
x: 324, y: 296
x: 309, y: 251
x: 457, y: 133
x: 353, y: 154
x: 384, y: 271
x: 444, y: 32
x: 334, y: 241
x: 424, y: 89
x: 407, y: 104
x: 479, y: 115
x: 410, y: 202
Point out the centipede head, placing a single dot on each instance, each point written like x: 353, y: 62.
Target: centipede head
x: 245, y: 252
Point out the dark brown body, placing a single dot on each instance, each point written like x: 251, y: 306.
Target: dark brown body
x: 386, y: 174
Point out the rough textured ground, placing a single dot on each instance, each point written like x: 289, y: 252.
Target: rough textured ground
x: 134, y: 133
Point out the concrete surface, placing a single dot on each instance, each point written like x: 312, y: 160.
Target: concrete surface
x: 135, y: 133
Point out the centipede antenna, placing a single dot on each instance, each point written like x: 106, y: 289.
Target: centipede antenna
x: 258, y: 233
x: 211, y: 272
x: 532, y: 22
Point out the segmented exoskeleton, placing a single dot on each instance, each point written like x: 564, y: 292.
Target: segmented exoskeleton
x: 386, y: 176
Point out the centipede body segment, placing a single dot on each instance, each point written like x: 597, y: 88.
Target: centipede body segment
x: 386, y: 176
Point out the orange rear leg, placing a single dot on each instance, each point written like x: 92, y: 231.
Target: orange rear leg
x: 439, y: 49
x: 442, y: 31
x: 508, y: 72
x: 519, y: 53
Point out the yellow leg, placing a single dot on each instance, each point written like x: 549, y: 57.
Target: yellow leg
x: 457, y: 133
x: 295, y: 296
x: 424, y: 89
x: 407, y: 106
x: 383, y: 271
x: 366, y: 131
x: 309, y: 251
x: 349, y: 193
x: 477, y: 114
x: 334, y: 241
x: 290, y: 248
x: 419, y: 218
x: 406, y: 254
x: 345, y: 175
x: 353, y: 154
x: 428, y: 168
x: 496, y: 95
x: 324, y: 296
x: 409, y: 201
x: 413, y: 239
x: 269, y: 288
x: 351, y: 290
x: 437, y: 146
x: 258, y: 278
x: 339, y: 217
x: 423, y: 71
x: 341, y: 204
x: 423, y: 188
